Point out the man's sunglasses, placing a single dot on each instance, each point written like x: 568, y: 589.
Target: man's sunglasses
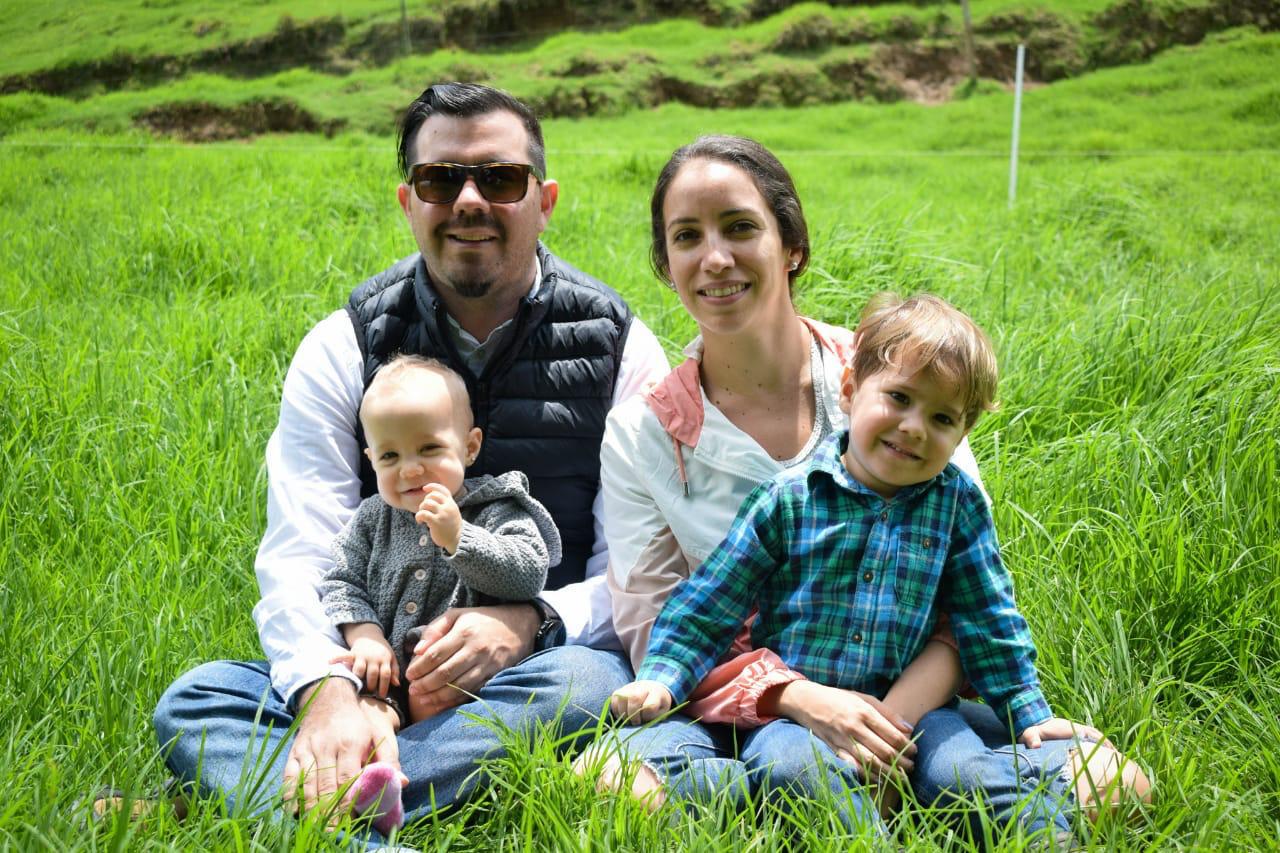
x: 499, y: 183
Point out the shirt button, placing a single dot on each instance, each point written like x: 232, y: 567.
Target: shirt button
x: 411, y: 607
x: 884, y: 516
x: 857, y: 638
x: 867, y: 576
x: 423, y: 541
x: 420, y: 574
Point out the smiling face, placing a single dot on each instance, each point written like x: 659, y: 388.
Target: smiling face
x: 474, y: 248
x: 904, y: 425
x: 724, y: 248
x: 419, y: 432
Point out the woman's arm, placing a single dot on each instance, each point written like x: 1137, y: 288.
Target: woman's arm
x: 929, y: 682
x: 857, y: 726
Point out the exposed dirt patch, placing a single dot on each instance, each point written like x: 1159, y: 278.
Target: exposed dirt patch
x: 1135, y: 30
x: 587, y: 65
x: 199, y: 121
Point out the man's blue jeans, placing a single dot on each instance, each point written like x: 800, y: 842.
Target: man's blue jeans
x: 227, y: 726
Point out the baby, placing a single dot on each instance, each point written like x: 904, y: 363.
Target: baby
x: 430, y: 539
x: 852, y: 559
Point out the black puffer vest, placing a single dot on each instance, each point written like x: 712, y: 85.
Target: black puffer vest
x: 541, y: 400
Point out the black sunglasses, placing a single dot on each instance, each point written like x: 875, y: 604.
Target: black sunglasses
x: 499, y: 183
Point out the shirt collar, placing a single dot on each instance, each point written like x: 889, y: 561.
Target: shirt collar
x: 827, y: 462
x: 470, y: 340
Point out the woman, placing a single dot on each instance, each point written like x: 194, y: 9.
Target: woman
x: 757, y: 394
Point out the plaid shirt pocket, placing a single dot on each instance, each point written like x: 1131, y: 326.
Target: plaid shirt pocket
x: 921, y: 556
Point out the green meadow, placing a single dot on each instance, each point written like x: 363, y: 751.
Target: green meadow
x: 152, y: 294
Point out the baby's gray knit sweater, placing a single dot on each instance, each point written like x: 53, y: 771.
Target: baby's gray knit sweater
x: 387, y: 570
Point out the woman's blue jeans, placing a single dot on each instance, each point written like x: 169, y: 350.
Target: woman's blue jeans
x: 696, y: 762
x: 964, y: 757
x: 225, y: 728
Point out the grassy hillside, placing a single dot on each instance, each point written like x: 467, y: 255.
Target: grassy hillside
x: 151, y: 296
x: 219, y: 72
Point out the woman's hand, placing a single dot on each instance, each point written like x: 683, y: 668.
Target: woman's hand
x: 858, y: 728
x: 640, y: 702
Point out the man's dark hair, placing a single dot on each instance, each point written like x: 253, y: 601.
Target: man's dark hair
x: 771, y: 179
x: 467, y: 100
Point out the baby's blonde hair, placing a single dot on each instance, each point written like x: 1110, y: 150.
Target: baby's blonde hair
x: 926, y: 332
x: 404, y: 362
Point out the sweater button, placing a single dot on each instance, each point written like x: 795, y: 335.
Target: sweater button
x: 424, y: 540
x: 411, y: 607
x: 420, y: 574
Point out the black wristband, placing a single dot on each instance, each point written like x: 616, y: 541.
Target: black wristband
x: 393, y: 705
x: 551, y: 632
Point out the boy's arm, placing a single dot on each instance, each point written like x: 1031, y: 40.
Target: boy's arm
x: 344, y: 592
x: 698, y: 621
x: 505, y: 553
x: 994, y: 639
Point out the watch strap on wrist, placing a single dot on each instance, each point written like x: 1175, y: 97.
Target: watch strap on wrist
x: 551, y: 631
x: 393, y: 704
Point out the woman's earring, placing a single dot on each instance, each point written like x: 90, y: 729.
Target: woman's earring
x: 795, y: 265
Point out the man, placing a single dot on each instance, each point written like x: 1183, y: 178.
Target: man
x: 545, y: 350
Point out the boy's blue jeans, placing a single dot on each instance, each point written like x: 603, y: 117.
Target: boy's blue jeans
x: 964, y: 755
x: 208, y: 715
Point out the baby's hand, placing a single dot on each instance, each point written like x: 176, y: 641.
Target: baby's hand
x: 640, y: 701
x: 373, y: 662
x: 1057, y: 728
x: 439, y: 513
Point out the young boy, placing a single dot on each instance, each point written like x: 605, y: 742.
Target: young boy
x: 852, y: 560
x: 430, y: 539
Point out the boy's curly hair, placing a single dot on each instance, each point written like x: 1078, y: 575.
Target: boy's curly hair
x: 926, y: 332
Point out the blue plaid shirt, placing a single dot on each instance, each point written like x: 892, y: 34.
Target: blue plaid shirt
x: 849, y: 588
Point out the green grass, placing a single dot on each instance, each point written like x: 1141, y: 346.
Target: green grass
x: 151, y: 296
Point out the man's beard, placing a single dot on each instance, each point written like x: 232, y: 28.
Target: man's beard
x: 474, y: 288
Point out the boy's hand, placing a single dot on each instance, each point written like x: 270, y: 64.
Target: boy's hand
x: 640, y: 702
x: 1057, y: 728
x: 371, y: 658
x: 439, y: 513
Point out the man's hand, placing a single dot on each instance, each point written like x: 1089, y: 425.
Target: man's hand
x: 460, y: 651
x: 338, y: 734
x: 859, y: 728
x: 370, y: 657
x: 1057, y: 728
x: 439, y: 512
x: 640, y: 702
